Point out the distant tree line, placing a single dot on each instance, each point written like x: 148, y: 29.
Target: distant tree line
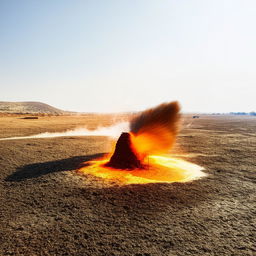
x: 243, y: 113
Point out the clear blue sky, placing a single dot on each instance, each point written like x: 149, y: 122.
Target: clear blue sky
x: 129, y: 54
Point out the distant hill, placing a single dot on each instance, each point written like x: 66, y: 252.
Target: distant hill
x: 29, y: 107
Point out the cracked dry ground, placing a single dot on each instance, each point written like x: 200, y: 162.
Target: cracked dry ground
x: 48, y: 209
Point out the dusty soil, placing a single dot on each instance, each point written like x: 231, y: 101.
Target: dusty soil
x: 17, y: 125
x: 48, y: 209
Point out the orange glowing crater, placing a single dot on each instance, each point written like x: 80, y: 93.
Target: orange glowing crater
x: 140, y: 156
x: 158, y: 169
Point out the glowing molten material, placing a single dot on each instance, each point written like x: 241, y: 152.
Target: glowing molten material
x: 138, y: 156
x: 161, y: 169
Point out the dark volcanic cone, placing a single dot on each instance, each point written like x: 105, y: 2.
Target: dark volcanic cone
x: 124, y: 157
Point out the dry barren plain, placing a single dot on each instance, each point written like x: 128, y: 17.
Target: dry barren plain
x: 47, y: 208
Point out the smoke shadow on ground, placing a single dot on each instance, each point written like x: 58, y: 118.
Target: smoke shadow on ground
x: 36, y: 170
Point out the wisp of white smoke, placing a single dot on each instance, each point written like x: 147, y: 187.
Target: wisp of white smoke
x: 110, y: 131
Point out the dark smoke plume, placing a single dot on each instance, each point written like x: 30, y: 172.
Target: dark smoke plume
x: 155, y: 129
x: 164, y: 115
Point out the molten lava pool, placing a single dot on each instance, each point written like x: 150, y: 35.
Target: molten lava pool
x: 158, y: 169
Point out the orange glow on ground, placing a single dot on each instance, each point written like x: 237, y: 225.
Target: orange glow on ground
x: 161, y: 169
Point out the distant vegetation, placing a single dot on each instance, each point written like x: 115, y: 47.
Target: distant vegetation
x: 237, y: 113
x: 243, y: 113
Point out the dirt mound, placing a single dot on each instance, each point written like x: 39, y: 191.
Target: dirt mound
x: 124, y: 157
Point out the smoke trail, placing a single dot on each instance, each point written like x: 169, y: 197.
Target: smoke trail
x: 155, y: 129
x: 111, y: 131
